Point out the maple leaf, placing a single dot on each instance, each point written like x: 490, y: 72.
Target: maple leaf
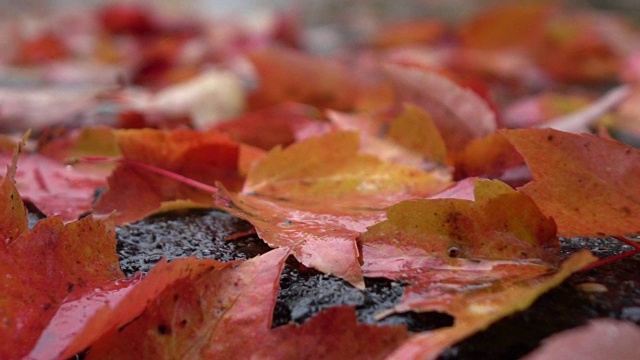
x: 55, y: 188
x: 579, y: 47
x: 281, y: 124
x: 588, y: 184
x: 459, y: 113
x: 414, y: 129
x: 409, y: 138
x: 475, y: 313
x: 600, y: 339
x: 332, y: 334
x: 471, y: 259
x: 213, y: 314
x: 287, y: 75
x: 491, y: 156
x: 134, y: 192
x: 81, y: 322
x: 317, y: 195
x: 449, y: 229
x: 506, y: 26
x: 42, y: 267
x: 421, y: 31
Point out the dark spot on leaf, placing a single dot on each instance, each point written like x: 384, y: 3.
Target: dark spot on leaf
x: 183, y: 323
x: 550, y: 137
x: 70, y: 287
x: 164, y: 329
x: 626, y: 210
x: 46, y: 306
x: 453, y: 252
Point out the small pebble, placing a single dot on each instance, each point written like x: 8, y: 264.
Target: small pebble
x: 591, y: 287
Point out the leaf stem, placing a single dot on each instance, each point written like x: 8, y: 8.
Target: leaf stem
x: 614, y: 258
x: 156, y: 170
x: 627, y: 241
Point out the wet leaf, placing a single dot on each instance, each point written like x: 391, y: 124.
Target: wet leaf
x: 79, y: 323
x: 13, y: 214
x: 221, y: 313
x: 459, y: 113
x: 455, y: 229
x: 55, y: 188
x: 470, y: 259
x: 287, y: 75
x: 43, y: 267
x: 265, y: 128
x: 476, y: 312
x: 205, y: 157
x: 507, y: 25
x: 332, y: 334
x: 316, y: 196
x: 491, y: 156
x: 569, y: 168
x: 414, y: 129
x: 601, y: 339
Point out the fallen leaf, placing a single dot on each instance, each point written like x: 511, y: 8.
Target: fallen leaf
x: 332, y: 334
x: 422, y: 31
x: 476, y: 313
x: 213, y: 315
x: 568, y: 169
x: 490, y: 156
x: 452, y: 230
x: 415, y: 130
x: 582, y: 120
x: 410, y: 138
x: 78, y: 324
x: 55, y: 188
x: 45, y: 266
x: 288, y: 75
x: 134, y: 192
x: 459, y: 113
x: 601, y: 339
x: 509, y: 25
x: 317, y: 195
x: 13, y: 213
x: 470, y: 259
x: 580, y: 47
x: 265, y: 128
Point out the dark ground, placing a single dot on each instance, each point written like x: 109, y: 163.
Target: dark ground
x: 304, y: 292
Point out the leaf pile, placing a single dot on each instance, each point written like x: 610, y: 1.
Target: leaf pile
x: 387, y: 162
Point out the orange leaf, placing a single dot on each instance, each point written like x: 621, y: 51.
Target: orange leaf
x: 490, y: 156
x: 332, y: 334
x: 43, y: 267
x: 287, y: 75
x: 213, y: 314
x: 459, y: 113
x: 476, y: 312
x: 453, y: 228
x: 13, y: 214
x: 317, y: 195
x: 588, y: 184
x: 414, y: 129
x: 507, y: 26
x: 276, y: 125
x: 205, y: 157
x: 471, y: 259
x: 55, y: 188
x: 81, y: 322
